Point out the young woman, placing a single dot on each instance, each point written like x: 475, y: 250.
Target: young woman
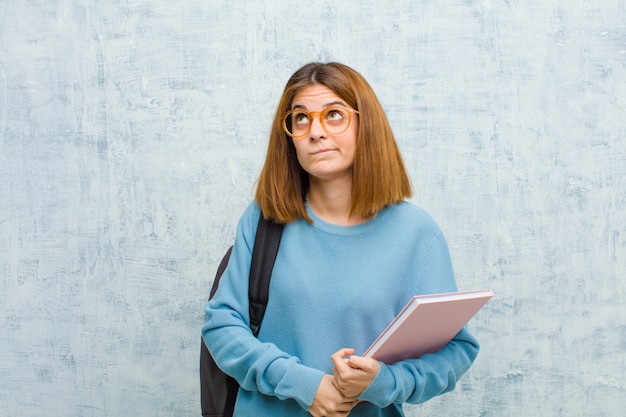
x: 352, y: 253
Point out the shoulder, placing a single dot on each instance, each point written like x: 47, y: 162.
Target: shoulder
x: 252, y: 212
x: 410, y: 215
x: 412, y: 225
x: 248, y: 222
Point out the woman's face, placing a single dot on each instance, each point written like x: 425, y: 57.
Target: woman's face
x: 325, y: 156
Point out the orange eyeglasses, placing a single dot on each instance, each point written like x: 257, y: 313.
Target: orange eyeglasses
x: 334, y: 120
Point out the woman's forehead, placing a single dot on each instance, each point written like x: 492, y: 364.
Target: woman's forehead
x: 316, y: 95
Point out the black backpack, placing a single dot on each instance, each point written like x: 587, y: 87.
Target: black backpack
x: 218, y: 391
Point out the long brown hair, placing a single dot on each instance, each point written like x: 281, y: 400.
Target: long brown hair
x: 378, y: 175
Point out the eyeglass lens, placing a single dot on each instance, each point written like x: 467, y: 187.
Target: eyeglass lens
x: 333, y: 119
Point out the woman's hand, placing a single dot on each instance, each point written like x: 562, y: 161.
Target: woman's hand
x: 352, y: 374
x: 329, y: 402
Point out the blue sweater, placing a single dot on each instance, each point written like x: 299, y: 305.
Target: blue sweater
x: 333, y: 287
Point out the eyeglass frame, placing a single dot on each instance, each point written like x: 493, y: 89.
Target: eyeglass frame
x: 310, y: 115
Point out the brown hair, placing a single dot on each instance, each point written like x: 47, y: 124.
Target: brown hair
x: 378, y: 175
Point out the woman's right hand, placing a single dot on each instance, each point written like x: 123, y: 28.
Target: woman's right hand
x: 329, y: 402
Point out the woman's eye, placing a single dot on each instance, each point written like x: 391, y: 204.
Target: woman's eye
x: 301, y: 118
x: 335, y: 115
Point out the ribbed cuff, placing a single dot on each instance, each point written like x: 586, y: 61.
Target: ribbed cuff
x: 300, y: 383
x: 375, y: 392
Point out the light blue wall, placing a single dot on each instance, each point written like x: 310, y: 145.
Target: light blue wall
x: 131, y: 134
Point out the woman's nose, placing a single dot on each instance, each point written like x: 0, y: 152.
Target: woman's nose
x: 317, y: 130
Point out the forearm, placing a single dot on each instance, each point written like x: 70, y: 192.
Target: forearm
x: 257, y: 366
x: 418, y: 380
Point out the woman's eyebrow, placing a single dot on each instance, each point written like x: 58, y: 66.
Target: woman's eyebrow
x: 332, y: 103
x: 335, y: 103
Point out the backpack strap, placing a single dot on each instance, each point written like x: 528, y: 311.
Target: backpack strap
x: 218, y: 391
x: 266, y: 245
x: 264, y: 253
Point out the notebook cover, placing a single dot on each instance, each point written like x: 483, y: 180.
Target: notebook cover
x: 426, y: 324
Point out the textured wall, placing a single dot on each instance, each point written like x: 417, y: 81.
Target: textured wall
x: 131, y: 134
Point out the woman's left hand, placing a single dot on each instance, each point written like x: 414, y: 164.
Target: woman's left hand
x: 352, y: 374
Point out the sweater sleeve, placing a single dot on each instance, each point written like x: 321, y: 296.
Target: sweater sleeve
x: 418, y: 380
x: 256, y: 365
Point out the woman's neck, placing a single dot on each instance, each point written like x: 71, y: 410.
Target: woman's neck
x: 332, y: 202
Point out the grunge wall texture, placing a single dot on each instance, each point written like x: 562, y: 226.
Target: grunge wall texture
x: 131, y: 135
